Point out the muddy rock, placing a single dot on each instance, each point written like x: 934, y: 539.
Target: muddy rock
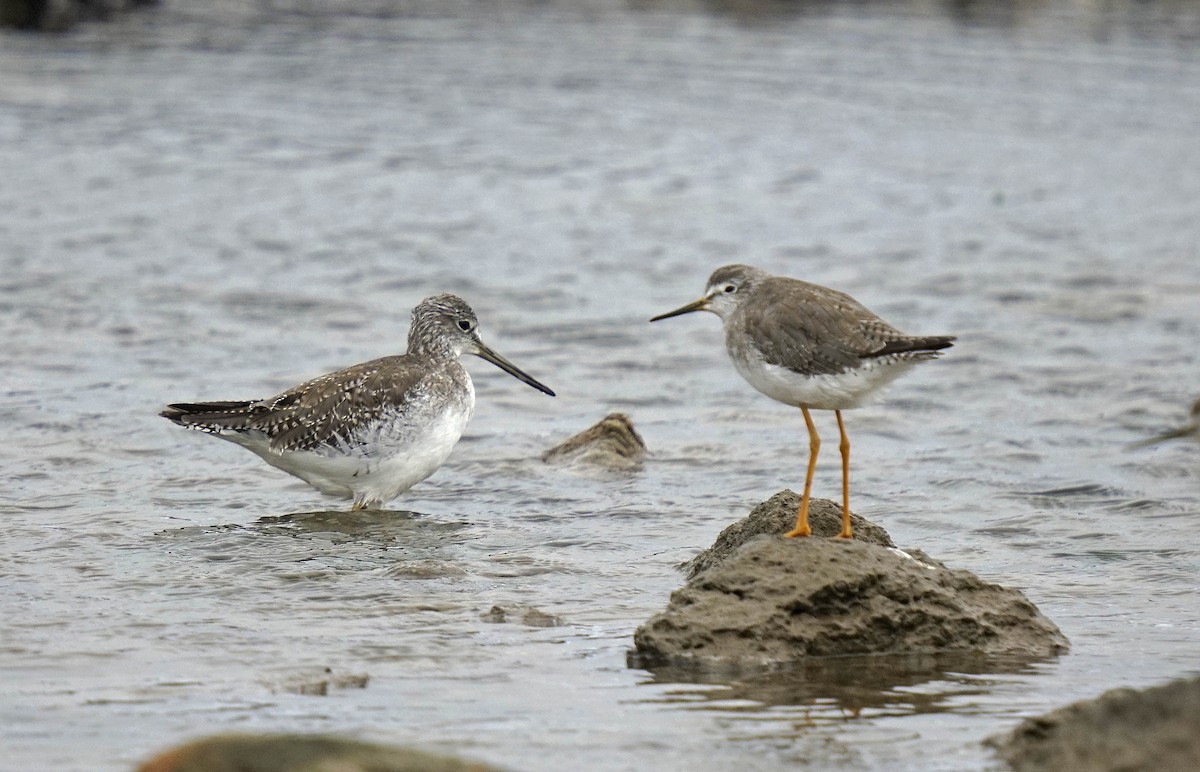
x: 1123, y: 729
x: 769, y: 602
x: 778, y: 515
x: 300, y: 753
x: 611, y: 445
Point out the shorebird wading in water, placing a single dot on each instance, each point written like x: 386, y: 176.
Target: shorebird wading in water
x: 371, y: 431
x: 811, y: 347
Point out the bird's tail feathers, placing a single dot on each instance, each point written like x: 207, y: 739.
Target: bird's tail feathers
x: 213, y: 417
x: 927, y: 344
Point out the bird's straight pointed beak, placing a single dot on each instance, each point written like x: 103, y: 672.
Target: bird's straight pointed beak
x: 484, y: 352
x: 696, y: 305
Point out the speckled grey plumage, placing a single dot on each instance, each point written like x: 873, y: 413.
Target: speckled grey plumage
x: 369, y: 431
x: 329, y: 411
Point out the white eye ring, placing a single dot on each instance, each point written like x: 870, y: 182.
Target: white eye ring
x: 464, y: 325
x: 730, y: 289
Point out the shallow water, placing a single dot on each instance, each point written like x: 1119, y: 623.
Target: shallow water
x: 212, y: 202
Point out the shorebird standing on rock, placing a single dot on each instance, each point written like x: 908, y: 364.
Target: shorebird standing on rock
x: 371, y: 431
x: 810, y: 347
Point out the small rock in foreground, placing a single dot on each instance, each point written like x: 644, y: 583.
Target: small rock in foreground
x: 300, y: 753
x: 1123, y: 729
x: 612, y: 444
x: 769, y: 602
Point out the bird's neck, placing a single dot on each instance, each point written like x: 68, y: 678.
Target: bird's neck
x: 426, y: 344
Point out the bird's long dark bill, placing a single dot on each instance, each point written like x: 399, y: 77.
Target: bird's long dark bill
x: 486, y: 353
x: 698, y: 305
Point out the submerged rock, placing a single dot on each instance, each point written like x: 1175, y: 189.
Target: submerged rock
x: 1122, y: 729
x: 300, y: 753
x: 612, y: 444
x: 757, y: 600
x: 321, y: 683
x: 519, y: 612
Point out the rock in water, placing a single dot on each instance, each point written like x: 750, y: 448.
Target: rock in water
x: 778, y: 515
x: 1122, y: 729
x: 767, y: 602
x: 300, y: 753
x: 612, y: 444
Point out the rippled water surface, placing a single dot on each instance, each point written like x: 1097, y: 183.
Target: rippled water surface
x: 218, y: 200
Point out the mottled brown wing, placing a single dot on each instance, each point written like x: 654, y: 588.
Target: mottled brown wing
x: 328, y: 409
x: 813, y: 329
x: 325, y: 410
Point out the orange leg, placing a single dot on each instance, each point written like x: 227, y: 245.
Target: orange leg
x: 847, y: 532
x: 814, y: 447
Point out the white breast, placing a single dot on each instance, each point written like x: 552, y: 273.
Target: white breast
x: 842, y: 391
x: 381, y: 460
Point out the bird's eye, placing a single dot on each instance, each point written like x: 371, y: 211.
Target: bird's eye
x: 464, y: 325
x: 730, y: 289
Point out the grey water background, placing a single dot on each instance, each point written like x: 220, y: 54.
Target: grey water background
x: 218, y: 200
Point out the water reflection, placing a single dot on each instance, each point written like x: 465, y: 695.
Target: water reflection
x: 839, y: 688
x: 378, y: 524
x: 406, y: 536
x: 368, y: 538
